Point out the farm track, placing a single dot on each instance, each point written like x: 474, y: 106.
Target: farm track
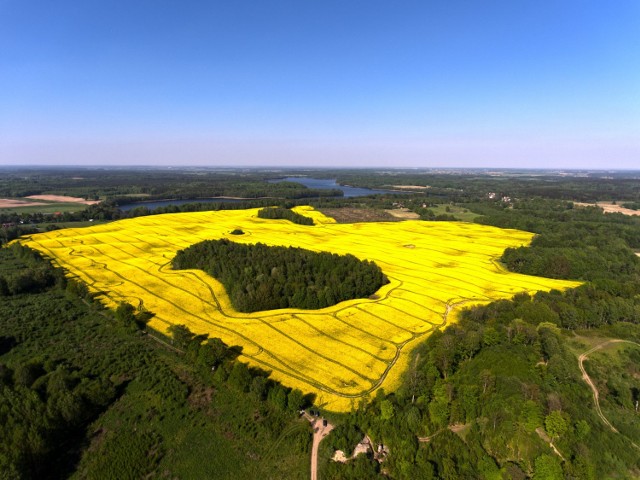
x: 375, y: 383
x: 389, y: 364
x: 271, y: 366
x: 594, y: 389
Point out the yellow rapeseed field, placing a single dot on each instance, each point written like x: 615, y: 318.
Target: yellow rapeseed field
x: 342, y: 353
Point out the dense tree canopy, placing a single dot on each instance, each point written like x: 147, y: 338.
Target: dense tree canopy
x: 258, y: 277
x: 85, y: 394
x: 279, y: 213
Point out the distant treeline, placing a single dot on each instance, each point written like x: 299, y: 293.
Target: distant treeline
x: 150, y: 184
x: 471, y: 186
x: 259, y: 277
x: 17, y: 224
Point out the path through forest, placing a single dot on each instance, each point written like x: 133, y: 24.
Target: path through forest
x: 594, y: 389
x: 319, y: 432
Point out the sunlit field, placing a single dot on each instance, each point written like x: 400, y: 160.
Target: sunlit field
x: 341, y: 353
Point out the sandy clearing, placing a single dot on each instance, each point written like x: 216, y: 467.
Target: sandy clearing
x: 339, y: 456
x: 411, y: 187
x: 364, y: 446
x: 610, y: 208
x: 63, y: 199
x: 13, y: 203
x: 404, y: 213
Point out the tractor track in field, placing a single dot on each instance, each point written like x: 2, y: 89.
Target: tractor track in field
x: 391, y: 325
x: 375, y: 383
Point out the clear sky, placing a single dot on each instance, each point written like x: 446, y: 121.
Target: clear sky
x: 449, y: 83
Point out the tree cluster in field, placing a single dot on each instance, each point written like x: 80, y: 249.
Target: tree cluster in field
x: 279, y: 213
x: 259, y: 277
x: 86, y: 393
x: 24, y: 223
x: 429, y: 215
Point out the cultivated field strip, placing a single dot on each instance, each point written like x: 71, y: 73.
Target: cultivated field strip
x: 340, y: 353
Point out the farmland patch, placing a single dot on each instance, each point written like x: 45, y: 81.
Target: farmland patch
x: 341, y: 353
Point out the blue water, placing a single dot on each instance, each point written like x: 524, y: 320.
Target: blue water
x: 325, y: 184
x: 314, y: 183
x: 165, y: 203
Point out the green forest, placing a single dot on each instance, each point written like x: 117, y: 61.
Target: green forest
x: 259, y: 277
x: 484, y: 397
x: 279, y: 213
x: 89, y: 393
x: 499, y: 394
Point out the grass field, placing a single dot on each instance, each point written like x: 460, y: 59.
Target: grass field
x: 45, y: 208
x: 460, y: 213
x: 341, y: 353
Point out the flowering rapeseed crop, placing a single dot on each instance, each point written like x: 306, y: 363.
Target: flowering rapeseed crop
x: 342, y: 353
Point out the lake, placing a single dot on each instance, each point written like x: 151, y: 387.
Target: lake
x: 328, y: 184
x: 314, y: 183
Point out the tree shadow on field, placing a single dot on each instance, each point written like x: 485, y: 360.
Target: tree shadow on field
x: 234, y: 352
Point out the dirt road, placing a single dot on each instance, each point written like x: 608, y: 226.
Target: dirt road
x: 319, y: 432
x: 587, y: 379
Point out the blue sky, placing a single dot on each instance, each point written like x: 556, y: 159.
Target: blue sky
x: 333, y: 83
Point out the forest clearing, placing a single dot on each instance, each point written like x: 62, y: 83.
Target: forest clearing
x: 342, y: 353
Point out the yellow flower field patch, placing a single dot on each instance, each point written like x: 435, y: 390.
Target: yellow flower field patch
x: 341, y: 353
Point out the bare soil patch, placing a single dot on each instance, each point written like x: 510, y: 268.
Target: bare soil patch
x: 201, y: 398
x: 410, y: 187
x: 355, y: 215
x: 339, y: 456
x: 63, y: 199
x: 403, y: 213
x: 14, y: 203
x: 610, y: 208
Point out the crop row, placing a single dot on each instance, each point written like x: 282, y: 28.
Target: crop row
x: 342, y: 352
